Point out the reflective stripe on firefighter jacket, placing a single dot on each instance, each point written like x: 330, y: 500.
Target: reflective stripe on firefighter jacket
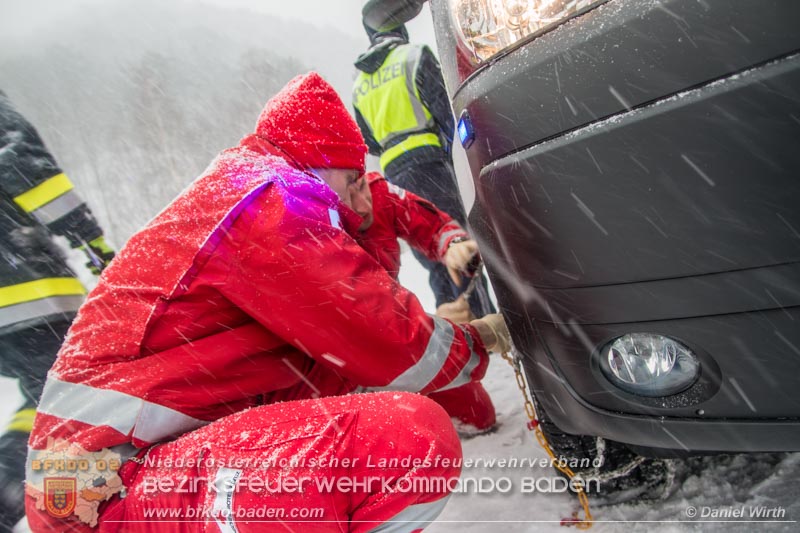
x: 44, y: 297
x: 37, y: 202
x: 389, y: 102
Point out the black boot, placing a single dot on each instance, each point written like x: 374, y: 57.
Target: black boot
x: 13, y: 451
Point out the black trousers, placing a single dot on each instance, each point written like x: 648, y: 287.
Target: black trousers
x: 26, y: 355
x: 435, y: 180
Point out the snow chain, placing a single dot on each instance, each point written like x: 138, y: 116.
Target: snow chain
x: 533, y: 425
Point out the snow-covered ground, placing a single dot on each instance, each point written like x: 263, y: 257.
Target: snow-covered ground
x: 741, y: 484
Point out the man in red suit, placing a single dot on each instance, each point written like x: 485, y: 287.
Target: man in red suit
x: 390, y: 213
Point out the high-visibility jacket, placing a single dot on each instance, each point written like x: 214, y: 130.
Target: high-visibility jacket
x: 390, y: 107
x: 37, y: 201
x: 245, y: 290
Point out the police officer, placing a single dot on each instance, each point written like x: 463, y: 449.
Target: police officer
x: 402, y: 108
x: 39, y: 294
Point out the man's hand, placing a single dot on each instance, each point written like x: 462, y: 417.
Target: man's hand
x: 457, y: 311
x: 494, y: 333
x: 458, y: 257
x: 99, y: 253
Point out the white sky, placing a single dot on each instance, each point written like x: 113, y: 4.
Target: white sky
x: 345, y: 14
x: 23, y: 17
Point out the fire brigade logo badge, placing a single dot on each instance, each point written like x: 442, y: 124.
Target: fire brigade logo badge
x: 66, y: 480
x: 60, y: 495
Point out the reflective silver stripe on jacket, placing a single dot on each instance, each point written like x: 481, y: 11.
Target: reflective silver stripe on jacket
x: 430, y: 364
x: 447, y: 234
x: 464, y: 376
x: 38, y: 308
x: 52, y: 211
x: 413, y: 517
x: 123, y: 412
x: 411, y: 66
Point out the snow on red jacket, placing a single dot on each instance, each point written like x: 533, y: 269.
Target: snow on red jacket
x: 244, y: 291
x: 402, y: 214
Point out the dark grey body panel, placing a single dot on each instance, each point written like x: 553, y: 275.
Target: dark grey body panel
x: 638, y: 169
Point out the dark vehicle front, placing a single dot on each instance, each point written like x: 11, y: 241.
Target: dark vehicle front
x: 636, y: 170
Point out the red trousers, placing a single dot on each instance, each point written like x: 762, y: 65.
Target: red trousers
x: 469, y: 403
x: 352, y: 463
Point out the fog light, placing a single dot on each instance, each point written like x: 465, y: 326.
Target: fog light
x: 649, y: 365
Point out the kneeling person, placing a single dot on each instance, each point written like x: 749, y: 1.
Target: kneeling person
x: 390, y: 213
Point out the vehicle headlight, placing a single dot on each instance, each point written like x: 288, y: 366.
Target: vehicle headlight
x: 488, y: 26
x: 649, y: 365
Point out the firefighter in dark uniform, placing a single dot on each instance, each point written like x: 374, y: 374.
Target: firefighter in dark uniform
x: 39, y: 294
x: 404, y: 113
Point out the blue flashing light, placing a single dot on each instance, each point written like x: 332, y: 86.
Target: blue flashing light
x: 465, y: 131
